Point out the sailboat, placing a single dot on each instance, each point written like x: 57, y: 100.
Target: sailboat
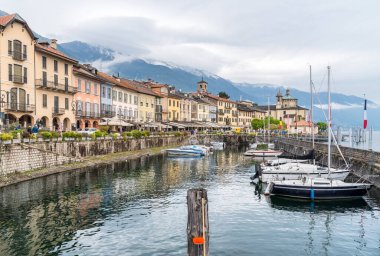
x: 294, y: 169
x: 319, y: 188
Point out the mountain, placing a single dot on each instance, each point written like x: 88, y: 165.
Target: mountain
x: 86, y: 53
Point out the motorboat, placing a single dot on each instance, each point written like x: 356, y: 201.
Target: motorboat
x: 293, y: 171
x: 317, y: 189
x: 184, y: 152
x: 263, y: 153
x: 203, y: 150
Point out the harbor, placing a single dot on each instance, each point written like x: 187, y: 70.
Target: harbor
x: 142, y: 202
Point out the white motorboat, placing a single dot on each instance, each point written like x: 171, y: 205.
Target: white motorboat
x: 293, y: 171
x: 263, y: 153
x: 184, y: 152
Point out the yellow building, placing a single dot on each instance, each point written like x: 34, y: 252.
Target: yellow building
x: 54, y: 91
x: 174, y: 109
x: 147, y: 101
x: 17, y: 71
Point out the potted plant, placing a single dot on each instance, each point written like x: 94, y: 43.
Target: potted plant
x: 55, y: 136
x: 33, y: 137
x: 46, y: 136
x: 6, y: 138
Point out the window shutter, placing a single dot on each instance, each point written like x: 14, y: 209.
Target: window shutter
x: 10, y: 73
x: 25, y: 75
x: 9, y: 47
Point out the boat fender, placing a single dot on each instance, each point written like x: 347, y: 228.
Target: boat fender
x: 268, y: 189
x: 312, y: 194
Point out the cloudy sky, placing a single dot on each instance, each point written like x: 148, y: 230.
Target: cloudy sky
x: 241, y: 40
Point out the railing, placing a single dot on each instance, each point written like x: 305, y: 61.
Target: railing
x: 17, y: 107
x: 227, y: 107
x: 235, y: 115
x: 221, y: 113
x: 58, y: 111
x: 107, y: 113
x: 44, y: 84
x: 89, y: 114
x: 17, y: 55
x: 18, y: 79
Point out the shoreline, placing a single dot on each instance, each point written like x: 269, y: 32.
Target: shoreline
x: 15, y: 178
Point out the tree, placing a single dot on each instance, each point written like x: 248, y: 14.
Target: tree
x: 322, y: 126
x: 224, y: 95
x: 257, y: 124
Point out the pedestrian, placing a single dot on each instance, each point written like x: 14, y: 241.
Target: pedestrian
x: 35, y: 129
x: 29, y: 130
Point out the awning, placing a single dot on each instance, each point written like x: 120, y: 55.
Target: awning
x: 115, y: 122
x: 178, y: 125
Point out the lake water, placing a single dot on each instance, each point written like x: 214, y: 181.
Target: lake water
x: 139, y: 208
x: 375, y: 145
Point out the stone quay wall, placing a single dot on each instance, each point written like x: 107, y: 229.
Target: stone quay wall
x: 24, y: 157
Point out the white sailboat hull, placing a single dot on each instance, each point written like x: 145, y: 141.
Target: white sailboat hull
x: 263, y: 153
x: 273, y: 176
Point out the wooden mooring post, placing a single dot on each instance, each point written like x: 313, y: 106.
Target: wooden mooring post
x: 197, y: 222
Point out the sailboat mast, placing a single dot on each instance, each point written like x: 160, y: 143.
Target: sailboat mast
x: 268, y: 122
x: 329, y: 120
x: 311, y: 109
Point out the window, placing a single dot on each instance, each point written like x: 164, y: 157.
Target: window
x: 125, y: 98
x: 66, y: 69
x: 17, y: 76
x: 79, y: 85
x: 114, y: 95
x: 55, y: 79
x: 284, y: 112
x: 67, y: 103
x: 141, y: 104
x: 9, y: 47
x: 152, y: 105
x: 44, y: 62
x: 96, y: 109
x: 88, y: 87
x: 136, y: 100
x: 55, y: 66
x: 17, y: 48
x: 103, y: 91
x: 95, y: 89
x: 25, y: 75
x: 10, y: 76
x: 109, y: 93
x: 170, y: 103
x: 146, y: 104
x: 44, y: 78
x: 66, y: 84
x: 44, y: 100
x: 130, y: 99
x: 177, y: 104
x: 120, y: 97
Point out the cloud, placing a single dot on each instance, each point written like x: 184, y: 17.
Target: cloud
x: 244, y: 41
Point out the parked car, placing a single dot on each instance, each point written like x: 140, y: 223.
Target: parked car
x: 87, y: 131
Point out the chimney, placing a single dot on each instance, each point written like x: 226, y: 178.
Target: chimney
x: 53, y: 43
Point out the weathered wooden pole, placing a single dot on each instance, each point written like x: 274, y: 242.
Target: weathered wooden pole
x: 197, y: 222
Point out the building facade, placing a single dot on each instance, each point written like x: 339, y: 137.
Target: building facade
x: 87, y: 99
x: 54, y: 90
x: 17, y: 89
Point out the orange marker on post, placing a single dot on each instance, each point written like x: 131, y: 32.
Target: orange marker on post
x: 198, y: 240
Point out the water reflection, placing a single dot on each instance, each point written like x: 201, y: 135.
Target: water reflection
x: 138, y: 207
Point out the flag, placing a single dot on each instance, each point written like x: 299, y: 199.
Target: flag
x: 365, y: 114
x: 287, y: 123
x: 280, y: 125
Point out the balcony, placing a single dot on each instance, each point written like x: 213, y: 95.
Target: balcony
x: 50, y: 85
x: 235, y: 115
x: 17, y: 107
x: 228, y: 107
x: 87, y: 114
x: 17, y: 55
x: 107, y: 113
x: 18, y: 79
x: 58, y: 111
x: 221, y: 113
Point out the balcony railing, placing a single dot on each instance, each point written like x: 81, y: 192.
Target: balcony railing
x: 235, y: 115
x: 221, y: 113
x: 18, y: 79
x: 107, y: 113
x: 58, y: 111
x: 17, y: 55
x: 88, y: 114
x: 17, y: 107
x: 50, y: 85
